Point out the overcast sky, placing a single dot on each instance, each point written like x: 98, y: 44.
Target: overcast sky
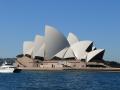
x: 96, y: 20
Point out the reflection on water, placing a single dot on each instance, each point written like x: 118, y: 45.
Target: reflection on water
x: 60, y: 80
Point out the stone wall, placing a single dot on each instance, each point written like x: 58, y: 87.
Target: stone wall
x: 27, y: 62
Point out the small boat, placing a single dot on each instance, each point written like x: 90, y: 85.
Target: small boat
x: 7, y: 68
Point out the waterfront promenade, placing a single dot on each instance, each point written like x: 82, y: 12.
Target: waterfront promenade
x: 59, y: 69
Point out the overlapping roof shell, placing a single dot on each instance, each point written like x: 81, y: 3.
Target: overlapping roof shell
x: 55, y: 44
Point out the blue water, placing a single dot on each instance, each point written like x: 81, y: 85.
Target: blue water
x: 60, y: 80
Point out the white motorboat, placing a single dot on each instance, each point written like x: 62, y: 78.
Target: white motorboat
x: 7, y: 68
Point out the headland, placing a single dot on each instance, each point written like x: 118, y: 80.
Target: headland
x: 56, y: 52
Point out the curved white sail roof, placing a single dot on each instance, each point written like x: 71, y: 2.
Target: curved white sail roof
x: 80, y: 48
x: 28, y: 47
x: 41, y: 51
x: 39, y: 40
x: 61, y: 53
x: 94, y: 53
x: 72, y: 39
x: 69, y: 53
x: 55, y: 42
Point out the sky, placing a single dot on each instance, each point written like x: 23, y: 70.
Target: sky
x: 96, y: 20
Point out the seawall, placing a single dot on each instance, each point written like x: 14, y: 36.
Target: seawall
x: 78, y: 69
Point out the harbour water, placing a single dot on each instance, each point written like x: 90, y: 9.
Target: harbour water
x: 60, y: 80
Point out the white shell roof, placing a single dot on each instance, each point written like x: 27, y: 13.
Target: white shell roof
x: 80, y: 48
x: 92, y: 54
x: 28, y: 47
x: 41, y: 51
x: 61, y: 53
x: 39, y: 40
x: 55, y: 42
x: 69, y: 53
x: 72, y: 39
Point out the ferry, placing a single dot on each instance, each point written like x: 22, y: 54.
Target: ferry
x: 7, y: 68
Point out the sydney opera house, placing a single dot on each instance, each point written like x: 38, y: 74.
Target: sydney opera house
x: 54, y: 50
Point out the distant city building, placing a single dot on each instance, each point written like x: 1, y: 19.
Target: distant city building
x: 55, y: 46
